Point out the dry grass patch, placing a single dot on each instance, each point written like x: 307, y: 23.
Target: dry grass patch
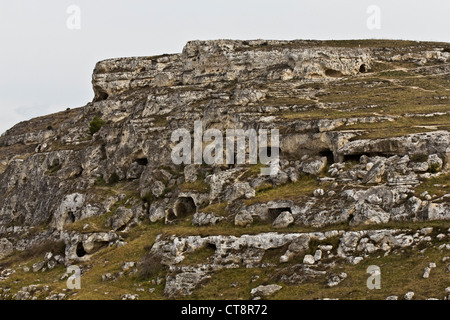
x: 291, y: 191
x: 218, y: 209
x: 438, y: 186
x: 401, y: 126
x: 197, y: 186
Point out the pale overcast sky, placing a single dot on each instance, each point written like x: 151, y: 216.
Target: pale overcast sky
x: 46, y: 67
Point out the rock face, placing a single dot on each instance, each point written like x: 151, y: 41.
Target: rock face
x: 264, y: 291
x: 363, y: 140
x: 283, y: 220
x: 353, y: 246
x: 6, y: 248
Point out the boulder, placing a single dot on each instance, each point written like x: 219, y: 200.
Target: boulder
x: 315, y: 167
x: 134, y: 171
x: 38, y: 266
x: 204, y: 219
x: 299, y: 244
x: 435, y: 163
x: 318, y: 192
x: 409, y: 295
x: 375, y: 173
x: 365, y: 213
x: 157, y: 188
x: 318, y: 255
x: 191, y: 172
x: 243, y: 219
x: 308, y: 259
x: 240, y: 190
x: 265, y: 291
x: 6, y: 247
x: 283, y: 220
x: 156, y: 213
x: 120, y: 218
x: 334, y: 280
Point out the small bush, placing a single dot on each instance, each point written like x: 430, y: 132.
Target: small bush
x: 36, y: 251
x: 433, y: 167
x: 100, y: 181
x: 95, y: 125
x: 53, y: 169
x: 198, y: 185
x: 148, y: 198
x: 114, y: 178
x: 264, y: 187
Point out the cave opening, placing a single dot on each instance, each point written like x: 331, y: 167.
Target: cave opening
x: 100, y: 95
x: 122, y: 228
x: 357, y: 156
x: 328, y: 154
x: 353, y: 157
x: 184, y: 206
x: 171, y: 215
x: 80, y: 250
x: 141, y: 161
x: 70, y: 218
x: 333, y: 73
x: 363, y: 68
x: 273, y: 213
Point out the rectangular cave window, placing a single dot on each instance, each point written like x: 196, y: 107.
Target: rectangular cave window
x: 141, y: 161
x: 353, y: 157
x: 329, y: 154
x: 333, y: 73
x: 356, y: 157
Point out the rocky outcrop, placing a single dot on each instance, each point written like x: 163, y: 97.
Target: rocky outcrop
x: 223, y: 60
x: 424, y: 143
x: 350, y: 154
x: 6, y: 248
x: 248, y: 251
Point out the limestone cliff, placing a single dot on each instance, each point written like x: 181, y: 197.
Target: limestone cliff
x: 364, y: 141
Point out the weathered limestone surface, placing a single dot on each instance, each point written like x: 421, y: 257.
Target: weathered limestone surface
x: 60, y: 180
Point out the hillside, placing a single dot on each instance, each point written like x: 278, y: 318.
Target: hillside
x: 362, y: 178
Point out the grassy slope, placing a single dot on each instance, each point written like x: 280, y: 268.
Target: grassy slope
x: 400, y: 273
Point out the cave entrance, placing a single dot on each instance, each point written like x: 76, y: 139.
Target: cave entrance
x: 333, y: 73
x: 273, y: 213
x: 80, y: 250
x: 70, y: 218
x: 357, y: 156
x: 170, y: 215
x: 328, y: 154
x: 184, y: 206
x: 141, y: 161
x: 363, y: 68
x: 100, y: 94
x: 353, y: 157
